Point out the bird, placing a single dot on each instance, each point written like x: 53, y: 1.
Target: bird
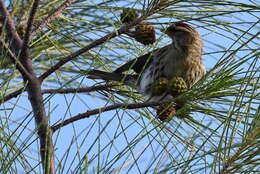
x: 181, y: 58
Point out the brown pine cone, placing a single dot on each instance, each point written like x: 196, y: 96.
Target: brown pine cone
x: 166, y: 112
x: 145, y: 34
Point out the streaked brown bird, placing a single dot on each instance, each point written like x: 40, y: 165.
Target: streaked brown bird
x: 181, y: 58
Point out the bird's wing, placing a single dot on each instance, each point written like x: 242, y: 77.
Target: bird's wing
x: 136, y: 64
x: 126, y: 79
x: 139, y: 63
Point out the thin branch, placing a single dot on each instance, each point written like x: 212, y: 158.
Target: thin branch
x: 100, y: 41
x: 83, y: 50
x: 61, y: 91
x: 27, y: 34
x: 248, y: 142
x: 12, y: 95
x: 79, y: 90
x: 52, y: 16
x: 10, y: 28
x: 104, y: 109
x: 14, y: 59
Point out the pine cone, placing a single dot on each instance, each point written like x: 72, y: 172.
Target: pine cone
x: 166, y: 112
x: 177, y: 86
x: 145, y: 34
x: 159, y: 86
x: 128, y: 15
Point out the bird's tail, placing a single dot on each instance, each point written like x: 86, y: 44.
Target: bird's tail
x: 129, y: 80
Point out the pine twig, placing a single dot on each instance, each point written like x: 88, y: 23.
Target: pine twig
x: 55, y: 13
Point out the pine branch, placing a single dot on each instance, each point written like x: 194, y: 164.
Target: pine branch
x: 99, y: 41
x: 104, y: 109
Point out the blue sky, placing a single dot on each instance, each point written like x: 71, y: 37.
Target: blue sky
x: 76, y: 140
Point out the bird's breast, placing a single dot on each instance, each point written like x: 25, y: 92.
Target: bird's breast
x: 174, y: 63
x: 145, y: 82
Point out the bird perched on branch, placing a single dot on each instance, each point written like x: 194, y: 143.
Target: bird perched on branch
x: 180, y: 63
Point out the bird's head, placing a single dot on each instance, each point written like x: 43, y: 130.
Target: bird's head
x: 182, y: 34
